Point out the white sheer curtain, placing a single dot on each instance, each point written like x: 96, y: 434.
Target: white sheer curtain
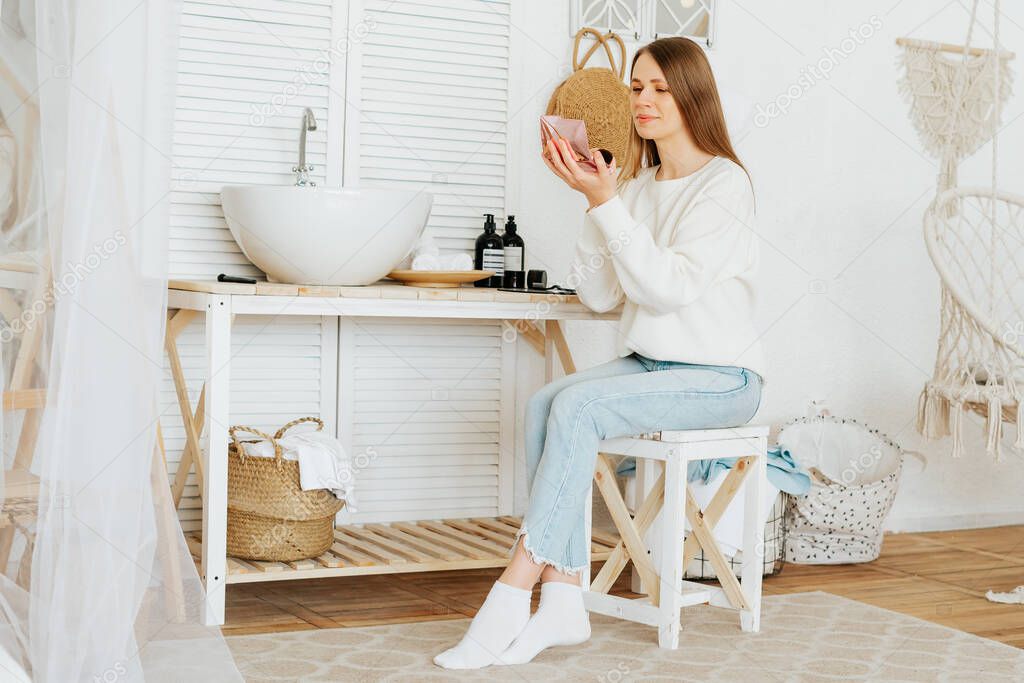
x: 96, y: 582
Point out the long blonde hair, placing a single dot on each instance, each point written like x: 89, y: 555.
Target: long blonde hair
x: 692, y: 84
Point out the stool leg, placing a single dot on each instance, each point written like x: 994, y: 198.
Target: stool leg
x: 752, y: 572
x: 646, y: 476
x: 671, y: 569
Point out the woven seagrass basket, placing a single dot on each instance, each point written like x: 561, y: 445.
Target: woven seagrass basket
x: 270, y: 517
x: 597, y: 95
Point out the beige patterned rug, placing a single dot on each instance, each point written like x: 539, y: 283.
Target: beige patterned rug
x: 804, y: 637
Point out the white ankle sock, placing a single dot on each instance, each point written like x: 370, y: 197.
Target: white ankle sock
x: 502, y: 616
x: 561, y: 619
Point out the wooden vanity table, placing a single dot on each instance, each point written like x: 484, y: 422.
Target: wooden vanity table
x: 424, y: 545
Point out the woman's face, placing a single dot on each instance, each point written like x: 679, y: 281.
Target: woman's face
x: 655, y: 114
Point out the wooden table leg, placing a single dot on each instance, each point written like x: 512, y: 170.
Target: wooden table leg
x: 215, y: 471
x: 192, y: 422
x: 549, y: 352
x: 528, y: 331
x: 187, y: 457
x: 556, y: 338
x: 547, y: 343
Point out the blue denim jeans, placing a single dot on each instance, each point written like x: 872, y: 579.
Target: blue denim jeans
x: 626, y: 396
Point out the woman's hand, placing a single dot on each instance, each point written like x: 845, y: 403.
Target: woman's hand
x: 596, y: 187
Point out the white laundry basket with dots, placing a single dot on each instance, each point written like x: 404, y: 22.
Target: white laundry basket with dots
x: 855, y: 472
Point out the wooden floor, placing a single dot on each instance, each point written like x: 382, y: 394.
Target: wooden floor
x: 940, y: 577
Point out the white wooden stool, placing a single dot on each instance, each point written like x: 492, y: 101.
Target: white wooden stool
x: 667, y: 592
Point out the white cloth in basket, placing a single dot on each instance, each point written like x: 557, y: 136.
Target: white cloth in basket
x: 323, y: 462
x: 840, y: 520
x: 728, y: 532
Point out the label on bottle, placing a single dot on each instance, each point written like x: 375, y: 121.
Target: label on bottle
x: 513, y: 258
x: 494, y: 259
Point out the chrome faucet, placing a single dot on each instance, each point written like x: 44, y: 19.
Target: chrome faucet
x: 302, y: 170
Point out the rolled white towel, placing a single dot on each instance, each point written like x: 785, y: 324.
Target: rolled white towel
x: 426, y: 262
x: 459, y: 261
x: 425, y: 245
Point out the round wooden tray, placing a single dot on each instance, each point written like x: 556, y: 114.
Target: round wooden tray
x: 438, y: 278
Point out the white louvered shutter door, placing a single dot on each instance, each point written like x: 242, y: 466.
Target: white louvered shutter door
x: 427, y: 414
x: 434, y: 106
x: 246, y: 70
x: 426, y: 405
x: 245, y: 73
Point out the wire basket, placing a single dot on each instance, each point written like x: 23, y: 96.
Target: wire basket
x: 774, y: 546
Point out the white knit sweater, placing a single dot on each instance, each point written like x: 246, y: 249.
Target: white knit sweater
x: 683, y: 254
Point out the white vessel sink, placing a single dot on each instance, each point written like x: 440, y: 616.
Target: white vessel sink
x: 324, y: 236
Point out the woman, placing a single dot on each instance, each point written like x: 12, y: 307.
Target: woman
x: 672, y: 239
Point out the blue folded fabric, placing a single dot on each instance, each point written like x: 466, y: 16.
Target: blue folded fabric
x: 783, y: 471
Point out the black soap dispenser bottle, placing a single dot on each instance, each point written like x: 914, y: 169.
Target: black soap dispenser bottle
x: 515, y: 252
x: 490, y: 254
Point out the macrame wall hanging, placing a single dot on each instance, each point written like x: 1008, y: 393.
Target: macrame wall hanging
x: 952, y: 100
x: 975, y: 238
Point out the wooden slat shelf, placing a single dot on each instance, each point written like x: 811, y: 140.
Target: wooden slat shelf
x: 399, y: 547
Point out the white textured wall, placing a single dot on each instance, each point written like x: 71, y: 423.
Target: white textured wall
x: 850, y: 299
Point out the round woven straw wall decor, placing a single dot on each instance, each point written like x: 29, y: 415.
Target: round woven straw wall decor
x: 597, y: 96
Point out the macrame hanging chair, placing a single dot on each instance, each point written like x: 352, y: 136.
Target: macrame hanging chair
x: 975, y: 238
